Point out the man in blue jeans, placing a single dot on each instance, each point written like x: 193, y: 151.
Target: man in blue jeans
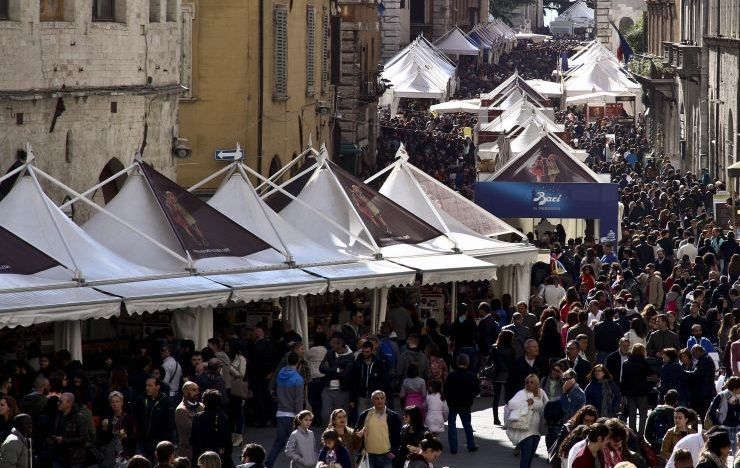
x: 289, y: 385
x: 381, y: 432
x: 460, y: 388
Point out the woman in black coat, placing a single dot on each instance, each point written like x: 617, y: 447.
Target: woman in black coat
x: 635, y: 384
x: 501, y: 357
x: 551, y: 344
x: 211, y: 430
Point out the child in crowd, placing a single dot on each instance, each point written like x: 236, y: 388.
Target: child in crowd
x: 301, y: 447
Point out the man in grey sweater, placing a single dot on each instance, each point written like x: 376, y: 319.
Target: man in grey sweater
x: 290, y: 402
x: 661, y: 339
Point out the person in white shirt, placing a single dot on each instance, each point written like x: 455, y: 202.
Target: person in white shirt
x: 693, y: 443
x: 552, y: 292
x: 688, y: 249
x: 172, y: 369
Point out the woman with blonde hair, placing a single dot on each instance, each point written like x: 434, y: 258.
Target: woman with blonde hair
x: 209, y: 460
x: 346, y: 435
x: 522, y: 419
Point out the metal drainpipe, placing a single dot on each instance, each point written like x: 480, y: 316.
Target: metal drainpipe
x: 260, y: 98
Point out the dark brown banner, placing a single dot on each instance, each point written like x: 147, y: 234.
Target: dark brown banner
x: 202, y: 230
x: 388, y: 222
x: 19, y: 257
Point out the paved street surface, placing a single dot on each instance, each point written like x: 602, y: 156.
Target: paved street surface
x: 495, y: 450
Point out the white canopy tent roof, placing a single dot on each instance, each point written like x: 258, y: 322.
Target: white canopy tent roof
x: 521, y: 116
x: 456, y: 42
x: 519, y: 143
x: 546, y: 88
x: 357, y: 220
x: 600, y: 75
x: 579, y: 13
x: 460, y: 219
x: 536, y: 38
x: 598, y: 97
x: 365, y: 274
x: 419, y: 70
x: 27, y: 308
x: 471, y: 106
x: 513, y: 82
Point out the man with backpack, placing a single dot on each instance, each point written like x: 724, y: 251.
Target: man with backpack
x: 660, y: 420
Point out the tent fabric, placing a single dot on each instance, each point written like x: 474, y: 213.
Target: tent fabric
x: 536, y: 38
x: 522, y: 168
x: 419, y: 70
x: 168, y: 294
x: 370, y: 275
x: 19, y: 257
x: 521, y: 116
x: 32, y: 216
x: 512, y: 82
x: 601, y: 75
x: 270, y: 284
x: 194, y: 323
x: 437, y: 269
x: 296, y: 312
x: 516, y: 145
x: 237, y: 199
x: 468, y: 105
x: 68, y: 335
x: 546, y: 88
x: 27, y: 308
x: 456, y: 42
x: 595, y: 98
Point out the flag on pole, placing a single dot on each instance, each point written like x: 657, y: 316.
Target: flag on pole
x: 624, y: 51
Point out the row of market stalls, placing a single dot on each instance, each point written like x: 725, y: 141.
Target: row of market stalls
x: 423, y: 70
x: 157, y: 247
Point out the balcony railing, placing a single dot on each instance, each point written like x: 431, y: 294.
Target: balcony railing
x: 652, y: 67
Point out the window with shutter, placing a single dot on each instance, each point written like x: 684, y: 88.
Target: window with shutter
x: 325, y: 54
x: 4, y: 10
x: 280, y: 52
x: 310, y: 50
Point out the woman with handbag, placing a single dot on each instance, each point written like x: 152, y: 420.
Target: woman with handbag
x: 238, y: 394
x: 525, y: 422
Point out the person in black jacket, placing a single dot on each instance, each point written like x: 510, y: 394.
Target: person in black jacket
x: 488, y: 329
x: 460, y: 388
x: 337, y: 368
x: 154, y: 414
x: 262, y: 362
x: 464, y: 333
x: 530, y: 363
x: 574, y: 361
x: 211, y: 430
x: 381, y: 452
x: 614, y: 360
x: 367, y: 375
x: 635, y: 385
x: 701, y: 381
x: 606, y: 336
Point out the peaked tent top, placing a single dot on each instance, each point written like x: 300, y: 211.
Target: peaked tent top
x: 548, y: 159
x: 579, y: 10
x: 456, y: 42
x: 438, y: 204
x: 520, y: 116
x: 514, y: 81
x: 519, y: 143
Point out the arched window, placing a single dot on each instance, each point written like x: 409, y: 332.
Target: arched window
x: 625, y: 24
x: 111, y: 189
x: 275, y: 165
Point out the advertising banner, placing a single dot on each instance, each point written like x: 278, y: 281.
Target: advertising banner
x: 19, y: 257
x: 542, y: 200
x: 202, y: 230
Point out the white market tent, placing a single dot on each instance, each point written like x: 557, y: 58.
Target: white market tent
x: 516, y: 144
x: 419, y: 70
x: 471, y: 106
x: 456, y: 42
x: 364, y: 223
x: 468, y: 225
x: 521, y: 116
x: 578, y: 15
x: 598, y: 97
x: 600, y: 75
x: 515, y: 81
x: 536, y: 38
x: 550, y: 89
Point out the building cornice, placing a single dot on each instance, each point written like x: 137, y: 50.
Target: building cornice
x: 46, y: 93
x: 723, y: 41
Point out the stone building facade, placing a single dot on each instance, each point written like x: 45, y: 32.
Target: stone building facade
x: 698, y: 112
x: 529, y: 18
x: 260, y: 74
x: 89, y: 83
x: 622, y: 13
x: 358, y: 88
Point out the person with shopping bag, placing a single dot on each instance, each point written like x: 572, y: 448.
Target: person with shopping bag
x: 524, y: 420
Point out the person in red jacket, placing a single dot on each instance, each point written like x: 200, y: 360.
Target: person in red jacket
x: 598, y: 435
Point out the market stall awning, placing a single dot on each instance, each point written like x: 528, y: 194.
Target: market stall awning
x: 359, y: 275
x: 270, y: 284
x: 447, y: 268
x: 167, y: 294
x: 456, y: 42
x: 54, y: 305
